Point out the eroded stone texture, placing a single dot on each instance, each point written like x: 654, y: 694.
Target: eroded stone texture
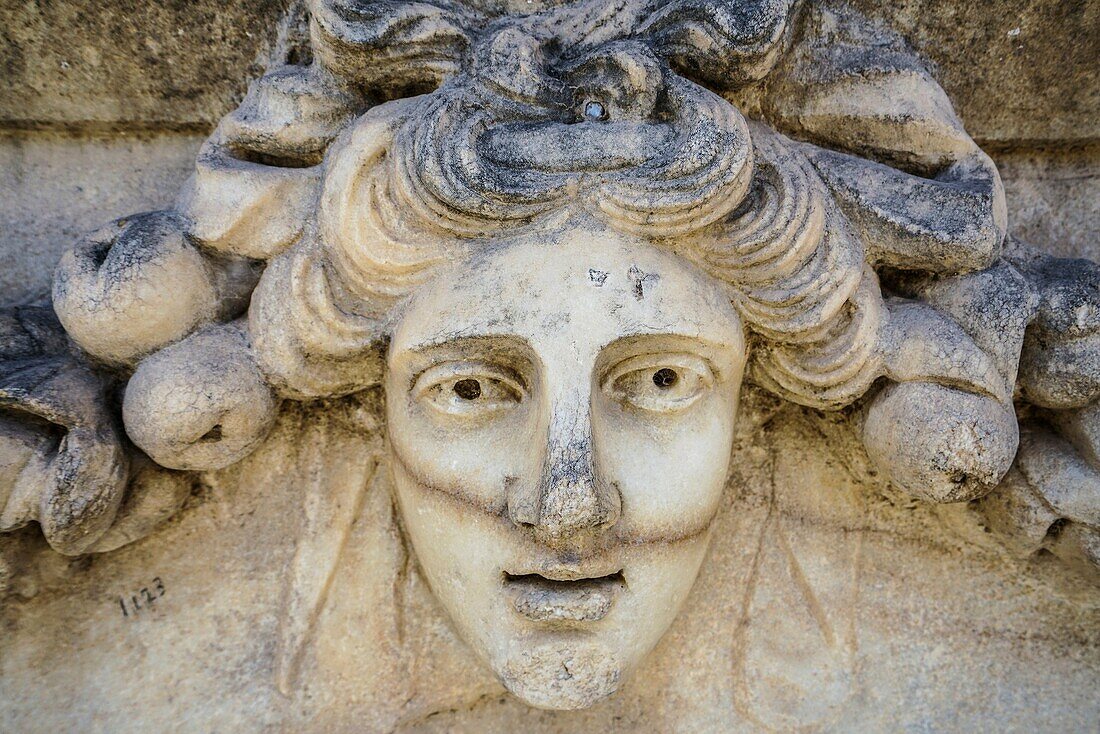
x: 991, y: 59
x: 659, y: 365
x: 1051, y: 197
x: 147, y: 65
x: 128, y: 65
x: 53, y: 186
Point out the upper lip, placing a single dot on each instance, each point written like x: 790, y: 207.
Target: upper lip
x: 614, y: 577
x: 557, y: 568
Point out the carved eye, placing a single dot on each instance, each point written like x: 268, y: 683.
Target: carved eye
x: 468, y: 388
x: 662, y: 383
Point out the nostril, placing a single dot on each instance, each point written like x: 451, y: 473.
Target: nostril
x: 613, y: 506
x: 523, y: 517
x: 522, y: 499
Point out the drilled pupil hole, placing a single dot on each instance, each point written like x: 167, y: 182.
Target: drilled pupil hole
x: 665, y: 377
x: 594, y: 110
x: 468, y: 389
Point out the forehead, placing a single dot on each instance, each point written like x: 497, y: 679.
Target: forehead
x: 586, y: 287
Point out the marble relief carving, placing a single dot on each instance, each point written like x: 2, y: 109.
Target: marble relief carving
x: 536, y: 254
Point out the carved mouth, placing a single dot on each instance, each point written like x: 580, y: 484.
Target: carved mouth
x: 542, y: 599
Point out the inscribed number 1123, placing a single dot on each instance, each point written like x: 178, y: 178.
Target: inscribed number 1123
x: 143, y: 599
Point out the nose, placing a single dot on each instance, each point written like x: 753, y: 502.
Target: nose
x: 570, y: 496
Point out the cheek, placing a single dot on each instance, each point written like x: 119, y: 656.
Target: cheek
x: 461, y: 551
x: 463, y: 555
x: 473, y: 462
x: 670, y: 470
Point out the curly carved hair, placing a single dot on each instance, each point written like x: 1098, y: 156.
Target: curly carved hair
x: 506, y: 147
x: 720, y: 130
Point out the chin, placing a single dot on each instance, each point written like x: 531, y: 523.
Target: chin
x: 564, y: 672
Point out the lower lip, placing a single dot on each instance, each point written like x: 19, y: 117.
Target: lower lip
x: 540, y: 599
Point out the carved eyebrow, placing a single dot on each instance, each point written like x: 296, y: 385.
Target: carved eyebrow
x: 667, y: 340
x: 507, y: 344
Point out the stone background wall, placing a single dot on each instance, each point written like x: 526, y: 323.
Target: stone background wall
x: 104, y: 104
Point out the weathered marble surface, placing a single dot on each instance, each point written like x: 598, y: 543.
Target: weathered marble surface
x: 52, y: 185
x: 125, y: 65
x: 305, y: 554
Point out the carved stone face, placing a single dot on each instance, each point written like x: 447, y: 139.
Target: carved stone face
x: 560, y: 414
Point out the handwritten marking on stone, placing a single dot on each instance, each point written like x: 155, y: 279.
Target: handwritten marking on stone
x: 143, y: 599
